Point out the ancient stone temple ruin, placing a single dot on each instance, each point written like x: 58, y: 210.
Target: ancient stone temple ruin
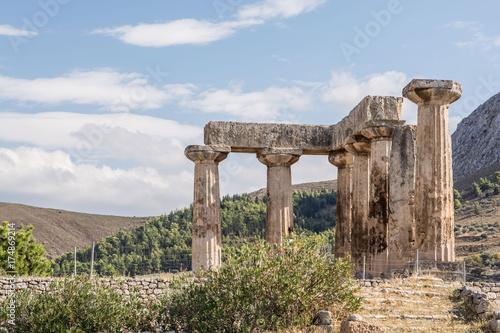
x: 395, y: 182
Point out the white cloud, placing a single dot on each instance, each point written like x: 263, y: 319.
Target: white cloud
x: 345, y: 91
x: 479, y: 40
x: 258, y: 105
x: 87, y: 138
x: 268, y: 9
x: 179, y: 32
x: 109, y: 89
x: 52, y: 178
x: 8, y: 30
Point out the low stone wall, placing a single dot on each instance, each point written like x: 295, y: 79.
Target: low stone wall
x: 483, y: 298
x: 147, y: 288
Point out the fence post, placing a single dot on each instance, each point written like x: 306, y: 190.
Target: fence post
x: 75, y: 260
x: 92, y: 261
x: 364, y: 266
x: 416, y: 264
x: 465, y: 274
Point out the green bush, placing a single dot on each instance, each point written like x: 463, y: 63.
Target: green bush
x: 496, y: 190
x: 77, y: 305
x: 485, y: 184
x: 477, y: 209
x: 264, y: 287
x: 476, y: 190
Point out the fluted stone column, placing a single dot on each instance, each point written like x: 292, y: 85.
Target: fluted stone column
x: 402, y: 196
x: 206, y: 245
x: 434, y: 213
x: 279, y: 222
x: 344, y: 162
x: 378, y: 215
x: 360, y: 199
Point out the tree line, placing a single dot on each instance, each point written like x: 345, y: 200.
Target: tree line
x: 164, y: 244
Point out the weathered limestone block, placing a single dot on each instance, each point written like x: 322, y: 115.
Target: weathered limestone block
x: 360, y: 199
x: 312, y: 139
x: 252, y: 137
x: 206, y: 245
x: 279, y: 221
x: 401, y: 196
x: 355, y: 324
x: 434, y: 213
x: 371, y: 108
x: 344, y: 161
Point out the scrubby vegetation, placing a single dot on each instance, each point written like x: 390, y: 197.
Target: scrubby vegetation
x: 262, y: 286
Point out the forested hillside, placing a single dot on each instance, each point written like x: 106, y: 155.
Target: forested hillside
x: 164, y: 243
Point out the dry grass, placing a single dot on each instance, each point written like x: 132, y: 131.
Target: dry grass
x: 420, y: 304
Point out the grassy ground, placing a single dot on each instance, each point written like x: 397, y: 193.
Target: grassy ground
x: 422, y: 304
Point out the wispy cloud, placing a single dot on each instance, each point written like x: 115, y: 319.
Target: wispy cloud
x: 200, y: 32
x: 262, y: 105
x: 479, y: 40
x: 8, y: 30
x: 107, y: 88
x: 179, y: 32
x: 268, y: 9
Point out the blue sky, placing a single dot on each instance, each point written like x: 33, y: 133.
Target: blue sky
x: 98, y: 99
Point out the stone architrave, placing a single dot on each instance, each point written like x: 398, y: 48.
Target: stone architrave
x: 434, y: 213
x: 206, y: 245
x: 279, y: 222
x: 344, y: 162
x: 378, y: 214
x: 360, y: 199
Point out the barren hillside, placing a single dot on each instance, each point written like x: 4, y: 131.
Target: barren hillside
x: 61, y: 230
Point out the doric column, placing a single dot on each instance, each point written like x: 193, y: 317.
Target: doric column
x: 360, y: 199
x: 279, y: 220
x: 378, y: 214
x: 434, y: 213
x: 206, y: 205
x: 344, y: 162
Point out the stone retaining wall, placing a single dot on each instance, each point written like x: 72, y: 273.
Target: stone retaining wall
x: 147, y: 288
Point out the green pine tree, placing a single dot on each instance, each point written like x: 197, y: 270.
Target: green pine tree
x: 20, y: 253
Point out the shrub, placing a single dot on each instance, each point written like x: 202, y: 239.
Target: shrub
x: 485, y: 184
x: 457, y: 204
x: 497, y: 176
x: 265, y: 287
x: 484, y: 236
x: 476, y: 190
x: 457, y: 195
x: 77, y: 305
x: 477, y: 209
x: 496, y: 190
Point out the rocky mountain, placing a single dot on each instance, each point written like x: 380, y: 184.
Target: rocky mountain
x: 476, y: 142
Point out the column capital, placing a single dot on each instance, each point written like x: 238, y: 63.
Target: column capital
x: 358, y: 147
x: 207, y: 154
x: 376, y: 133
x: 341, y: 158
x: 421, y: 91
x: 279, y: 156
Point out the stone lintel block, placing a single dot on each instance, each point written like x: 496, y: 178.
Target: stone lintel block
x: 370, y: 109
x: 279, y: 156
x: 209, y: 153
x: 432, y: 91
x: 252, y: 137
